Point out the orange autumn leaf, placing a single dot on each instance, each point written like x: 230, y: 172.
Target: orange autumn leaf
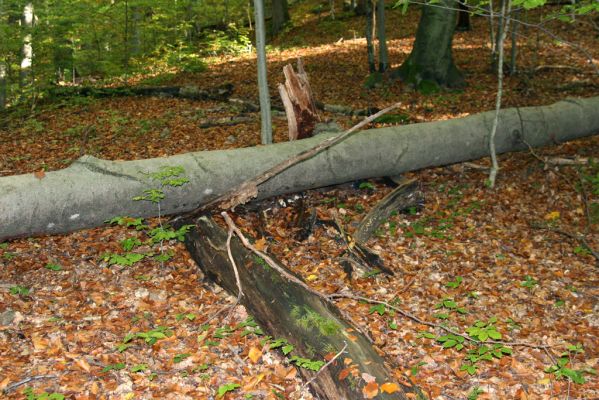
x: 344, y: 374
x: 39, y: 174
x: 260, y: 244
x: 389, y: 387
x: 370, y: 390
x: 255, y: 354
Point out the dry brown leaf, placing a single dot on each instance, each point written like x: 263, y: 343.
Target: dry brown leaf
x: 40, y: 174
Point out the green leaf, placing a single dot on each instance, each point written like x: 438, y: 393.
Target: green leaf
x: 113, y: 367
x: 287, y: 349
x: 180, y: 357
x: 229, y: 387
x: 139, y: 368
x: 53, y: 267
x: 378, y: 308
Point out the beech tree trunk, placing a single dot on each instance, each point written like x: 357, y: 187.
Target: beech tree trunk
x: 431, y: 60
x: 286, y: 310
x: 280, y: 15
x: 91, y: 190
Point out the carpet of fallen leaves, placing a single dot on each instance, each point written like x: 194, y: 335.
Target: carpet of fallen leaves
x: 74, y: 325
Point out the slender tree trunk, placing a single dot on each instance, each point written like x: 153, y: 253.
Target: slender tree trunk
x: 126, y: 37
x: 369, y: 37
x: 280, y: 15
x: 265, y: 118
x: 27, y: 50
x: 431, y: 60
x: 506, y: 7
x: 380, y: 28
x: 3, y: 76
x: 514, y: 50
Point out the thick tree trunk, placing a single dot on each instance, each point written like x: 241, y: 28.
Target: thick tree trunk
x: 431, y: 62
x: 463, y: 18
x: 280, y: 15
x: 287, y: 310
x: 91, y: 190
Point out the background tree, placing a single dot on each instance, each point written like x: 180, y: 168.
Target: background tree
x: 280, y: 15
x: 431, y: 60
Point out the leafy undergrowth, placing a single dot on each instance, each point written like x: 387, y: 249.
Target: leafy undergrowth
x: 102, y: 313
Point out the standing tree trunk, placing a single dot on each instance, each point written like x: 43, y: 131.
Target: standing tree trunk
x: 370, y: 36
x: 280, y: 15
x: 380, y: 31
x: 27, y: 60
x: 3, y: 73
x: 463, y: 18
x: 265, y: 118
x: 431, y: 61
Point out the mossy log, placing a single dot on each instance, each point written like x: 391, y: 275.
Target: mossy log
x: 284, y: 309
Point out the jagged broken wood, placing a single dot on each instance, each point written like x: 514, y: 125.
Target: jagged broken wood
x: 298, y: 101
x: 91, y: 190
x: 286, y: 310
x: 402, y: 197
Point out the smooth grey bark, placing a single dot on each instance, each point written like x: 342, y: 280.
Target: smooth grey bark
x: 431, y: 59
x: 380, y: 32
x: 280, y: 15
x: 91, y: 190
x: 265, y: 117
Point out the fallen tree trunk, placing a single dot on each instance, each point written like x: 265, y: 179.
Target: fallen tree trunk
x: 286, y: 310
x: 220, y: 93
x: 92, y: 190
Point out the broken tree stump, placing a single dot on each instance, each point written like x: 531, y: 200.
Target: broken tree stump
x: 402, y: 197
x: 284, y: 309
x: 298, y: 101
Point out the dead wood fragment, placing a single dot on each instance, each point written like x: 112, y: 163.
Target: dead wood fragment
x: 305, y: 318
x: 226, y: 121
x: 298, y: 101
x: 581, y: 239
x: 404, y: 196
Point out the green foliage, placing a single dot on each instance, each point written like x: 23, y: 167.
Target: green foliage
x: 455, y: 283
x: 19, y: 290
x: 113, y: 367
x: 451, y: 341
x: 125, y: 260
x: 308, y: 319
x: 229, y: 387
x: 150, y: 337
x: 166, y: 233
x: 180, y: 357
x: 31, y: 395
x: 187, y: 316
x: 53, y: 267
x: 312, y: 365
x: 562, y: 369
x: 482, y: 331
x: 474, y: 393
x: 139, y: 368
x: 529, y: 282
x: 127, y: 222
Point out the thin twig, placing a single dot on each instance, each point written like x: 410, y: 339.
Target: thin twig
x: 580, y: 238
x: 268, y: 259
x: 15, y: 385
x: 326, y: 365
x: 231, y: 259
x: 433, y: 325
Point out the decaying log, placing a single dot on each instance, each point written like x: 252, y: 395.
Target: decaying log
x: 402, y: 197
x: 298, y: 101
x: 219, y: 93
x: 284, y: 309
x: 226, y: 121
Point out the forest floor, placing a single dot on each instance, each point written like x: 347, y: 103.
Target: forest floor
x: 470, y: 254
